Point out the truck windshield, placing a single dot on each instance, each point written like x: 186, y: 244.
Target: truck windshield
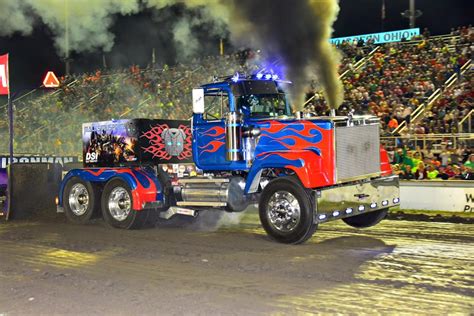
x: 264, y: 105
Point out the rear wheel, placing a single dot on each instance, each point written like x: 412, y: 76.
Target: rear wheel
x: 286, y: 211
x: 117, y: 206
x: 79, y: 200
x: 366, y: 220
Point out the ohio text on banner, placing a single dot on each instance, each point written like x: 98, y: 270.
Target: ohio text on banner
x: 379, y: 38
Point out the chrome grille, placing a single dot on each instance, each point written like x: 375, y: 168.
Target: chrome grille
x: 357, y: 151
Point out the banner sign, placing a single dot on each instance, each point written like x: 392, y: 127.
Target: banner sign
x: 50, y: 80
x: 455, y: 196
x: 136, y: 141
x: 3, y: 191
x: 4, y: 84
x: 5, y: 160
x: 380, y: 38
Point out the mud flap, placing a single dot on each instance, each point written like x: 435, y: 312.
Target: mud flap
x: 33, y: 189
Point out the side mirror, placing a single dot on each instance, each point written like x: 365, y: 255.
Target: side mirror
x: 198, y: 101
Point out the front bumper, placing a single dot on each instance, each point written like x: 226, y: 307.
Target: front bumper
x: 348, y: 200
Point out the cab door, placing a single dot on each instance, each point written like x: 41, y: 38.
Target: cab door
x: 209, y: 150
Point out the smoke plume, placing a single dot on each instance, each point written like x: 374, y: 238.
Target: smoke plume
x: 295, y: 32
x: 298, y: 32
x: 14, y: 18
x: 88, y: 20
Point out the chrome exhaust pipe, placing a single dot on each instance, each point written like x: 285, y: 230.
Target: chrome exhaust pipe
x: 233, y: 137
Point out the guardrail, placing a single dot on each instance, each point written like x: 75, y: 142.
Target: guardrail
x: 429, y: 141
x: 455, y: 77
x: 139, y: 106
x: 467, y: 118
x: 439, y: 195
x: 447, y: 38
x: 418, y: 111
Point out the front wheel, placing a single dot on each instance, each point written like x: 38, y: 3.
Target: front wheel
x: 117, y: 210
x: 366, y: 220
x: 286, y: 211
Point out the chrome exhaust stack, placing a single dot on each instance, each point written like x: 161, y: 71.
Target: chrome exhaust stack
x: 233, y: 136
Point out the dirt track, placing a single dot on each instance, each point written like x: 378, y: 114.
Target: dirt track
x: 397, y: 267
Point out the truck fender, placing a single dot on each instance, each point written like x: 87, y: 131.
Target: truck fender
x: 145, y: 186
x: 307, y: 165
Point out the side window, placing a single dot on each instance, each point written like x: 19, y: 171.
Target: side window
x: 216, y: 105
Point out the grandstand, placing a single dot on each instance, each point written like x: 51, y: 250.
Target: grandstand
x: 422, y: 86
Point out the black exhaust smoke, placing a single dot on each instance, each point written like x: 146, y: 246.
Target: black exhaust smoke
x: 298, y: 32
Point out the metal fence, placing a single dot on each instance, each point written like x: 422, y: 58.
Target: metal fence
x: 465, y: 125
x: 433, y: 142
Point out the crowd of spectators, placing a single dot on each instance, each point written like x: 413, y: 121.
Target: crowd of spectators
x: 401, y: 76
x: 391, y: 84
x: 445, y: 114
x: 52, y: 123
x: 448, y: 164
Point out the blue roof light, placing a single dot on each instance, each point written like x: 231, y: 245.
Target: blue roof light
x: 235, y: 77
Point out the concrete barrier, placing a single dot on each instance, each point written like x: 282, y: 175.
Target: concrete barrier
x: 437, y: 195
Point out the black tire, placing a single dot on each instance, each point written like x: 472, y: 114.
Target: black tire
x: 128, y: 218
x: 367, y: 219
x: 80, y: 200
x: 305, y: 227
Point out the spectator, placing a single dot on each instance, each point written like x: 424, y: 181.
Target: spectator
x: 470, y: 162
x: 407, y: 174
x: 420, y: 173
x: 431, y: 172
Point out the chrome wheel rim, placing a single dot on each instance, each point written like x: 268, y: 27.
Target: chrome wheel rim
x: 119, y: 204
x: 79, y: 199
x: 283, y: 211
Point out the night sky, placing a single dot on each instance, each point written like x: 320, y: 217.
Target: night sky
x: 31, y: 57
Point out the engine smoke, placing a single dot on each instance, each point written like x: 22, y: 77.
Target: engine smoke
x: 88, y: 20
x: 298, y: 32
x: 295, y: 32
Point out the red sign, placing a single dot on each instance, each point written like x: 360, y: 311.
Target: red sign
x: 4, y: 84
x: 50, y: 80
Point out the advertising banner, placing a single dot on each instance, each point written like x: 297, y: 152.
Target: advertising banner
x: 136, y: 141
x: 4, y: 84
x: 380, y: 38
x: 5, y: 160
x: 453, y: 196
x: 3, y: 191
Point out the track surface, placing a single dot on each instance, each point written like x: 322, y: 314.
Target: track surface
x: 410, y: 267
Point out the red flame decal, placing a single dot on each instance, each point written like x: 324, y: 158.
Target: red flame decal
x: 299, y: 142
x: 212, y: 147
x: 187, y: 149
x: 215, y: 131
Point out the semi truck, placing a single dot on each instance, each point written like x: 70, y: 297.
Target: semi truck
x: 242, y: 146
